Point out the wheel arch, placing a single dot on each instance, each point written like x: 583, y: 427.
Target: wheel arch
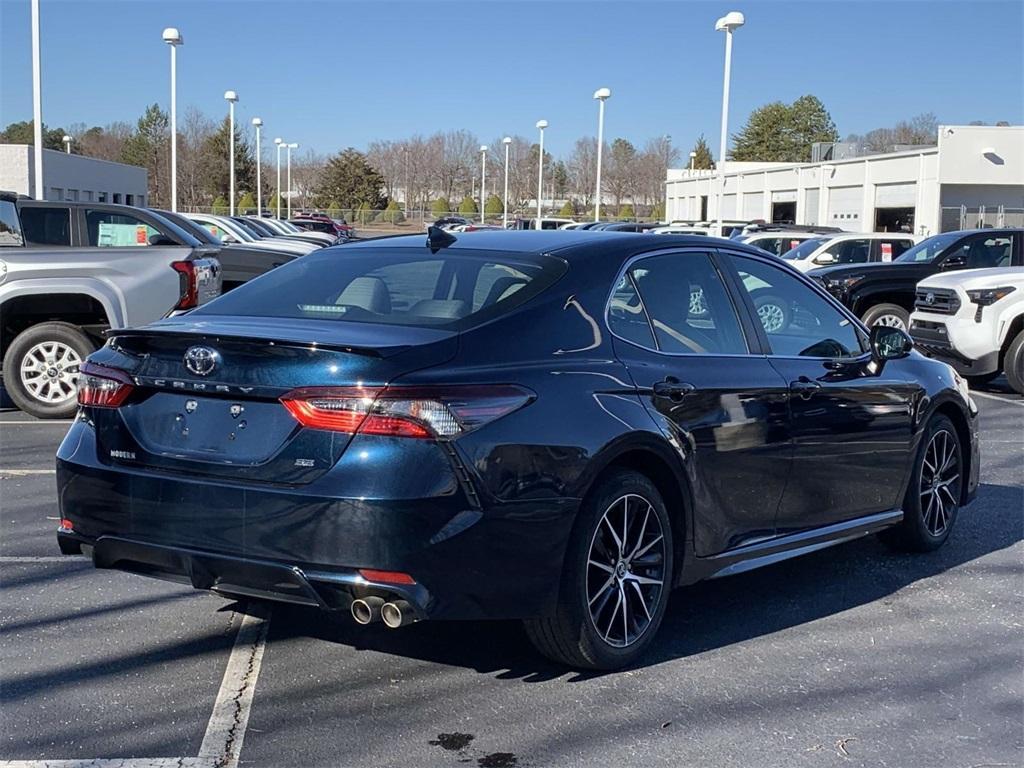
x: 864, y: 302
x: 955, y: 414
x: 31, y: 305
x: 649, y: 457
x: 1015, y: 327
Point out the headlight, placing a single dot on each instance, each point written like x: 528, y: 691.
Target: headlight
x: 986, y: 296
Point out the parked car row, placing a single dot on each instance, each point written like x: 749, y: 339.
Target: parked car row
x: 69, y: 271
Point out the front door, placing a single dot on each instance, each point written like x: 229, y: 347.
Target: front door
x: 723, y: 407
x: 850, y: 418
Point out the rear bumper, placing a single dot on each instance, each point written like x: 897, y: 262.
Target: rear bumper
x: 304, y: 544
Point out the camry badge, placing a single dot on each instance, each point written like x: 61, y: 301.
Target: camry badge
x: 201, y: 360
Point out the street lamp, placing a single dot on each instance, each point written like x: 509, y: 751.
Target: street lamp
x: 231, y: 98
x: 483, y: 179
x: 504, y: 204
x: 601, y: 94
x: 173, y: 38
x: 291, y: 146
x: 693, y: 159
x: 541, y: 124
x: 257, y: 123
x: 37, y: 106
x: 728, y: 24
x: 279, y: 143
x: 67, y: 143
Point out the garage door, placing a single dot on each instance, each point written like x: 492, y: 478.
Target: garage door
x: 729, y: 206
x: 810, y: 211
x: 895, y: 195
x: 844, y: 204
x: 753, y: 206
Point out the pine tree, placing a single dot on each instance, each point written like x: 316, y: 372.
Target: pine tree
x: 703, y: 161
x: 247, y: 204
x: 780, y: 132
x: 568, y: 209
x: 626, y: 212
x: 440, y: 207
x: 220, y: 205
x: 493, y: 206
x: 468, y: 207
x: 349, y: 179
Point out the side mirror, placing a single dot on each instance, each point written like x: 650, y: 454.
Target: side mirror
x: 160, y: 239
x: 888, y: 343
x: 825, y: 258
x: 959, y: 261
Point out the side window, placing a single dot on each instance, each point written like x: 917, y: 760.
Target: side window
x: 797, y: 321
x: 116, y: 230
x: 851, y: 251
x: 689, y: 309
x: 46, y: 226
x: 980, y: 252
x: 887, y: 250
x: 626, y: 315
x: 10, y: 231
x: 495, y: 282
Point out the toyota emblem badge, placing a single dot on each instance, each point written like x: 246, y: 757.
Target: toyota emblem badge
x: 201, y: 360
x: 929, y: 298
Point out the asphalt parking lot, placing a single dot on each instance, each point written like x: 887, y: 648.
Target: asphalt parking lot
x: 852, y: 656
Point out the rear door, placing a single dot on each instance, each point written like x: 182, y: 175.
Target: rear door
x: 851, y: 420
x: 712, y: 392
x: 889, y: 248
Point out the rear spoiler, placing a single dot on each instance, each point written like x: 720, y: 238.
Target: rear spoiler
x: 277, y: 341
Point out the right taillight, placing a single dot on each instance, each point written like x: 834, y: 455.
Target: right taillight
x: 102, y: 387
x: 188, y: 283
x: 421, y: 412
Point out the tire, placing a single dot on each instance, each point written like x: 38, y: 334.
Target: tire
x: 41, y: 368
x: 981, y: 380
x: 773, y: 311
x: 924, y: 510
x: 584, y: 633
x: 1013, y: 364
x: 887, y: 314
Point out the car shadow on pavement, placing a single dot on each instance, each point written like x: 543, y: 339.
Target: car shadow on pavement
x: 700, y: 617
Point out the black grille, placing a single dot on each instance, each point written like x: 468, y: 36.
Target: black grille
x: 941, y: 301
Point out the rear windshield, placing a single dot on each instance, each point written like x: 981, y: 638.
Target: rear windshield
x: 394, y: 286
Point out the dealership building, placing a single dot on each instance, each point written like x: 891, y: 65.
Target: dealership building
x: 72, y: 177
x: 973, y: 176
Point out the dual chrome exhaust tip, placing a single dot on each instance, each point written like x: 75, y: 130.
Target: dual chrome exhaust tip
x: 394, y: 614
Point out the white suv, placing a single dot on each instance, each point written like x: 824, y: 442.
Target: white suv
x: 848, y: 248
x: 973, y: 320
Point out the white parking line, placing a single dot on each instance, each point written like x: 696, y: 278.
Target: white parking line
x: 24, y: 472
x: 225, y: 731
x: 42, y: 559
x: 996, y: 397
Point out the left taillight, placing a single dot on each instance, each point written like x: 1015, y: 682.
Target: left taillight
x: 419, y: 412
x: 102, y: 387
x: 188, y: 282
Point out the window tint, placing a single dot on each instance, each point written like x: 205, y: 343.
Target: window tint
x: 10, y: 231
x: 626, y: 316
x: 687, y: 304
x: 797, y: 321
x: 850, y: 251
x: 46, y: 226
x: 398, y: 286
x: 929, y: 248
x: 116, y: 230
x: 892, y: 249
x: 981, y: 252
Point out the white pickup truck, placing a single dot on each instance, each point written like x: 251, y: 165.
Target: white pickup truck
x: 973, y: 320
x: 56, y: 301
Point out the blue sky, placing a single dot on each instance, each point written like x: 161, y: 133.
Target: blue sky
x: 335, y: 74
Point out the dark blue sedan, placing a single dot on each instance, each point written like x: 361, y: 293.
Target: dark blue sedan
x: 552, y: 426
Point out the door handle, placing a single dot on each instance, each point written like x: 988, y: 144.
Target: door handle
x: 672, y: 388
x: 804, y: 387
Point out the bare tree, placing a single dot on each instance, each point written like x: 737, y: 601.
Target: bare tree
x: 193, y: 134
x: 582, y: 167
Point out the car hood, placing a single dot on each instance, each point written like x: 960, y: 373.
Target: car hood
x: 976, y: 278
x: 884, y: 269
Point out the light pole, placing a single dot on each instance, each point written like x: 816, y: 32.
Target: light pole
x: 231, y: 98
x: 279, y: 143
x: 405, y: 156
x: 541, y: 124
x: 602, y: 95
x: 693, y: 159
x: 504, y: 204
x: 483, y: 179
x: 66, y: 140
x: 728, y: 24
x: 173, y: 38
x: 257, y: 123
x: 291, y: 146
x: 37, y: 106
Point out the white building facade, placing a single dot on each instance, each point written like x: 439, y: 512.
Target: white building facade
x: 974, y: 176
x: 73, y: 177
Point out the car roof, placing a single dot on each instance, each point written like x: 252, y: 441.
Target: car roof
x: 563, y: 242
